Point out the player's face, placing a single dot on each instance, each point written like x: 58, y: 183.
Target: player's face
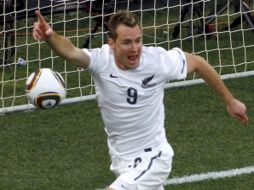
x: 127, y: 47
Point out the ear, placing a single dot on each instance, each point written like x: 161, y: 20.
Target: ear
x: 111, y: 42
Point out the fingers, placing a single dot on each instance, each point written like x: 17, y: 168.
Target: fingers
x: 41, y: 30
x: 244, y: 119
x: 238, y: 110
x: 41, y: 19
x: 36, y: 33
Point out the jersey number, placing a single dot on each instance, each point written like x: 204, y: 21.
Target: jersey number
x: 132, y: 95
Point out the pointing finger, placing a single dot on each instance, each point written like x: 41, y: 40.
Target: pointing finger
x: 40, y: 17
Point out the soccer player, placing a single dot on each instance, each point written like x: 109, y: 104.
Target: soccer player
x: 129, y: 80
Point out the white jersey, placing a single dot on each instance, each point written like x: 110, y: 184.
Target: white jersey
x: 131, y: 102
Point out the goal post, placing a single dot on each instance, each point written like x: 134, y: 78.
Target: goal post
x: 220, y: 31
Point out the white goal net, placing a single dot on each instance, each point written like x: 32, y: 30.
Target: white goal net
x: 220, y: 31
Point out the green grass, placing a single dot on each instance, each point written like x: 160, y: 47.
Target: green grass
x: 65, y: 148
x: 45, y: 149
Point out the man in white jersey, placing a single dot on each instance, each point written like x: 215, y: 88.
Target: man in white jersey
x: 129, y: 80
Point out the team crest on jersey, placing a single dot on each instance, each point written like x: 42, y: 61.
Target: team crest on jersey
x: 146, y: 83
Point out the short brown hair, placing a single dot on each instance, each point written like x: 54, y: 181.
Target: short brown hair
x: 121, y: 17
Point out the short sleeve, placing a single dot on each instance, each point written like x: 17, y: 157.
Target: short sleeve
x: 92, y: 55
x: 99, y: 57
x: 174, y: 64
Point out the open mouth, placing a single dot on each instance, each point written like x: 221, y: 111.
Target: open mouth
x: 133, y: 57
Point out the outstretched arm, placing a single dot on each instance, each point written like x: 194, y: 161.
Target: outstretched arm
x: 59, y: 44
x: 235, y: 108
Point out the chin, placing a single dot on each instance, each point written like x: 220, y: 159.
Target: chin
x: 133, y: 66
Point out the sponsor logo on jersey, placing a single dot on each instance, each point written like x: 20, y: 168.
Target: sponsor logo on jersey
x: 146, y: 83
x: 113, y: 76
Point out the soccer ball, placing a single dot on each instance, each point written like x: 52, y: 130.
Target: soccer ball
x: 45, y: 88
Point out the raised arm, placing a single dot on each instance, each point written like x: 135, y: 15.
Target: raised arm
x: 59, y: 44
x: 235, y: 108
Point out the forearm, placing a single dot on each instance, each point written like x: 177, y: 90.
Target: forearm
x: 212, y: 78
x: 64, y: 48
x: 60, y: 45
x: 199, y: 65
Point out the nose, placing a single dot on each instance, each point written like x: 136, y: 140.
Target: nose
x: 134, y: 46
